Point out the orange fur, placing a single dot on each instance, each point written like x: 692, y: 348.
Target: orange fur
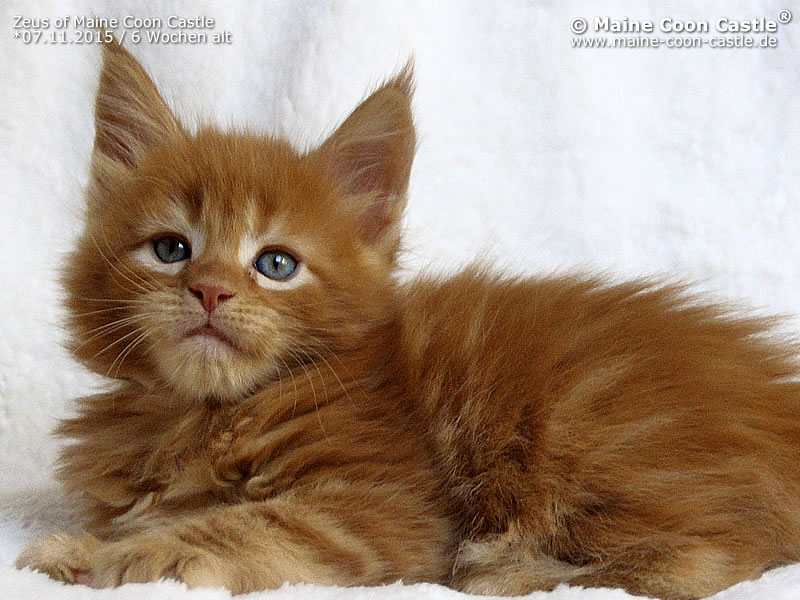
x: 493, y: 434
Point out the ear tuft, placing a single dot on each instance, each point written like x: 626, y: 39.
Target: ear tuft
x: 130, y: 114
x: 370, y: 155
x: 404, y: 80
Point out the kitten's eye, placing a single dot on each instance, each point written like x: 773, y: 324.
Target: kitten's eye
x: 171, y: 249
x: 276, y: 264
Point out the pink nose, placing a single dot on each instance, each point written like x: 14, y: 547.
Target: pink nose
x: 211, y: 296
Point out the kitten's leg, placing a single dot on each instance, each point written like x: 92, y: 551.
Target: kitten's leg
x: 339, y: 534
x: 686, y: 570
x: 62, y: 556
x: 505, y: 565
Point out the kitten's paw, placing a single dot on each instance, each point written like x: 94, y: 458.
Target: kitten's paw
x: 145, y: 558
x: 62, y: 556
x: 500, y: 566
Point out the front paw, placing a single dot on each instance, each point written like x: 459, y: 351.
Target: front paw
x: 62, y: 556
x: 150, y: 557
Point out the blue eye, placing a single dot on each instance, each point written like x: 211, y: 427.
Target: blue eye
x: 276, y: 264
x: 170, y: 249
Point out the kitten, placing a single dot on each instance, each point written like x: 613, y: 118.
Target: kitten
x: 284, y: 410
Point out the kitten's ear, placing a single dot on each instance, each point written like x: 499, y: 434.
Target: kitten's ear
x: 370, y: 155
x: 130, y: 114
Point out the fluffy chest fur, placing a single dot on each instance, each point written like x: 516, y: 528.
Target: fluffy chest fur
x: 137, y: 466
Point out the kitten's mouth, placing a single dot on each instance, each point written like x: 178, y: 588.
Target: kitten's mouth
x: 208, y: 330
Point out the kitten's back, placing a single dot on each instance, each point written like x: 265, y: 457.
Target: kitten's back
x: 609, y: 426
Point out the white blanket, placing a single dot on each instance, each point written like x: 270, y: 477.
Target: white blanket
x: 544, y: 156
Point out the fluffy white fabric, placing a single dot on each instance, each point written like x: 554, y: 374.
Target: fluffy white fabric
x: 540, y: 155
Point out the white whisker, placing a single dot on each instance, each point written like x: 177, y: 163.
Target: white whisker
x: 313, y: 393
x: 113, y: 326
x: 128, y: 349
x: 114, y: 343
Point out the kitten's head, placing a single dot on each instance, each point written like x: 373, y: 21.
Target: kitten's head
x: 213, y: 261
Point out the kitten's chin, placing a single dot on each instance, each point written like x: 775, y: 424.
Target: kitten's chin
x: 204, y: 365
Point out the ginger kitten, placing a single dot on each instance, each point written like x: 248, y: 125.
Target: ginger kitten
x: 284, y: 410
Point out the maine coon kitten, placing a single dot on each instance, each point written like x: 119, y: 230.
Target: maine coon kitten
x: 284, y: 410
